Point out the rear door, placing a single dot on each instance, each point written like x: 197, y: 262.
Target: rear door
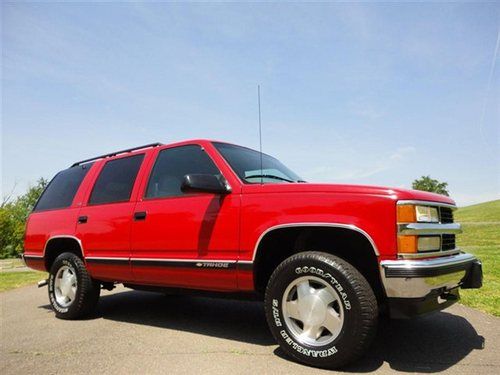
x: 103, y: 223
x: 185, y: 239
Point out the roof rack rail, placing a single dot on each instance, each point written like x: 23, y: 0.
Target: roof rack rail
x: 116, y: 153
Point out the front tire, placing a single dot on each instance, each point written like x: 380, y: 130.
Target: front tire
x: 320, y: 309
x: 73, y: 293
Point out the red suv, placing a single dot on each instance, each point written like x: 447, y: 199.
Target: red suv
x: 223, y: 218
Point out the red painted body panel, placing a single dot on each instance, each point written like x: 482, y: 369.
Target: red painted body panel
x: 107, y: 231
x: 374, y: 214
x: 107, y: 234
x: 369, y: 208
x: 42, y: 226
x: 203, y: 226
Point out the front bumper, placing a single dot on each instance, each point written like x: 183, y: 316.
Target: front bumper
x: 415, y: 287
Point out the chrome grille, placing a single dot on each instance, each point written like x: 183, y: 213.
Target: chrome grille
x: 446, y: 215
x: 448, y: 242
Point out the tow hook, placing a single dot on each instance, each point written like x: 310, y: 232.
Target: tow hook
x: 108, y: 285
x: 43, y: 283
x: 445, y: 297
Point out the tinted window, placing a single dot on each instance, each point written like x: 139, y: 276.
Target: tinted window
x: 172, y: 165
x: 116, y: 180
x: 246, y: 163
x: 62, y: 189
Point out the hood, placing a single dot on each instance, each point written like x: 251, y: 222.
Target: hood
x: 394, y: 193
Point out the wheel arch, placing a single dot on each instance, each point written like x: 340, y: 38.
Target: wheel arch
x: 347, y: 241
x: 59, y: 244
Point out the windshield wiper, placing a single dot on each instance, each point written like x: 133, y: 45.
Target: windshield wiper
x: 269, y: 176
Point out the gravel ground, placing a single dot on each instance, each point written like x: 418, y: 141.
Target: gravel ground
x: 147, y: 333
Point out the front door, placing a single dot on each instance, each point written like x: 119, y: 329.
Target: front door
x: 184, y: 239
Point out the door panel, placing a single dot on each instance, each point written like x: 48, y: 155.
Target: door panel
x: 169, y: 245
x: 106, y: 240
x: 185, y: 239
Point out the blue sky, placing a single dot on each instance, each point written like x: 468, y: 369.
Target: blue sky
x: 351, y: 93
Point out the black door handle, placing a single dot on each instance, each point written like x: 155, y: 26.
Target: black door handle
x: 141, y: 215
x: 82, y: 219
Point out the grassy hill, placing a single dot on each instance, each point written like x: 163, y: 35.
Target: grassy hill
x: 481, y: 236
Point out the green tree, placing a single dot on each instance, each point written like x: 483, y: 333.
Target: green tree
x: 13, y: 215
x: 426, y: 183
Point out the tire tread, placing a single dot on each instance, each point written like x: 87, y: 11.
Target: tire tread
x: 364, y: 293
x: 88, y: 289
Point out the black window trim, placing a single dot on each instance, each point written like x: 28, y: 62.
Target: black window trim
x: 187, y: 195
x: 88, y: 204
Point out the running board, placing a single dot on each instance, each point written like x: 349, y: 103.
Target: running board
x: 43, y: 283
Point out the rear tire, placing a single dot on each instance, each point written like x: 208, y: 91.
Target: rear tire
x: 73, y: 293
x: 321, y: 310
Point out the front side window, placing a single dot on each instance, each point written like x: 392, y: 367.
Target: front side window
x: 247, y: 165
x: 172, y: 165
x: 62, y: 189
x: 116, y: 180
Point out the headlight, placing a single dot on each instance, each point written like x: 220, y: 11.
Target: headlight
x: 410, y: 213
x: 413, y: 213
x: 427, y: 214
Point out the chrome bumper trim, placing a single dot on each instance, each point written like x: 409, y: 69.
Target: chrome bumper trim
x: 408, y: 278
x: 424, y: 228
x: 429, y: 263
x: 429, y: 254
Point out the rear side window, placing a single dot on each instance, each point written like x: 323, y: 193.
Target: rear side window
x: 172, y: 165
x: 116, y: 180
x: 62, y: 189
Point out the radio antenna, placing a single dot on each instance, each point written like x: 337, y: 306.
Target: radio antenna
x: 260, y: 138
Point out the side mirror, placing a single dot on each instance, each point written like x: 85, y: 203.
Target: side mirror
x: 208, y: 183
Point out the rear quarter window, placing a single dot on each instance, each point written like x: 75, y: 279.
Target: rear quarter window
x: 62, y: 189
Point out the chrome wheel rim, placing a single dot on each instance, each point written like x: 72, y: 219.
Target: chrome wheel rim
x: 312, y: 311
x: 65, y: 286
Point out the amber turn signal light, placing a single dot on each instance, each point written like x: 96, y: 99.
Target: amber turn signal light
x: 407, y: 244
x: 406, y: 214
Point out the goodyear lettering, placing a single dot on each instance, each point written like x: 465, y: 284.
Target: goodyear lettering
x: 276, y: 314
x: 328, y: 276
x: 308, y: 352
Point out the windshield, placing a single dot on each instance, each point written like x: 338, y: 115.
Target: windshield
x: 246, y: 163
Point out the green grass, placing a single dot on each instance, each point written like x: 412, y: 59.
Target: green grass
x: 481, y: 237
x: 482, y: 212
x: 11, y: 280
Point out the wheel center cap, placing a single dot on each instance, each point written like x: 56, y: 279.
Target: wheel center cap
x: 313, y: 310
